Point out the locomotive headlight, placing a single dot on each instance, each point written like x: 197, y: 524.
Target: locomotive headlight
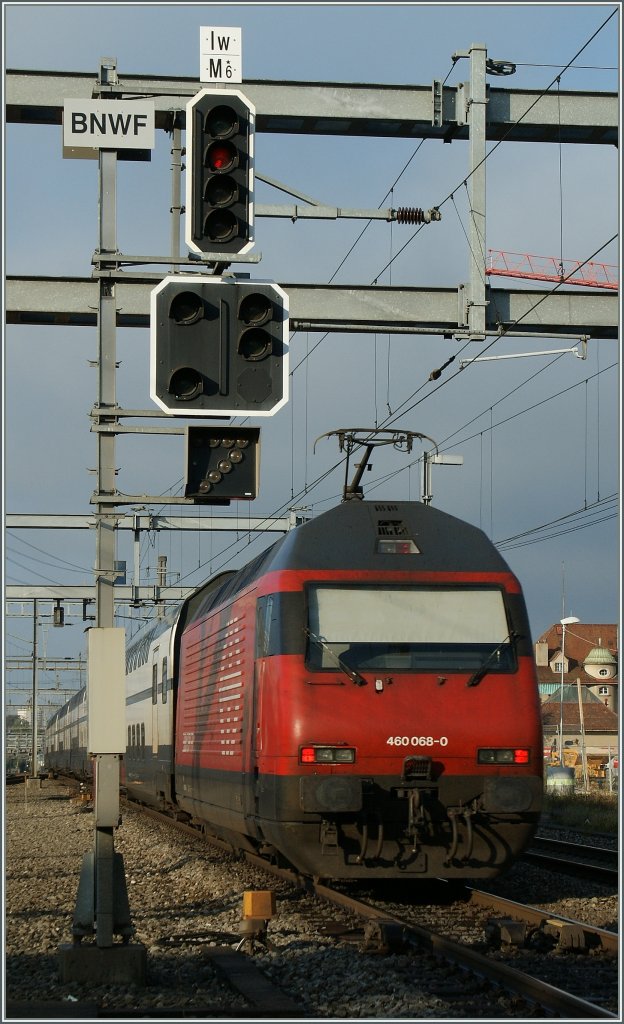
x: 326, y: 755
x: 323, y: 754
x: 503, y: 755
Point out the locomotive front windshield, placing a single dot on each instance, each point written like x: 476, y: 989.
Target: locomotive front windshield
x: 411, y: 629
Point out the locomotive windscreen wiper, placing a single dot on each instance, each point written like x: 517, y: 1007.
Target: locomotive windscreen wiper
x: 483, y: 669
x: 353, y: 675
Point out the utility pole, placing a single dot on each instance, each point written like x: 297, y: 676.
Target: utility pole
x: 33, y: 760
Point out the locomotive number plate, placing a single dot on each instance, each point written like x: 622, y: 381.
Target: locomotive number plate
x: 417, y: 741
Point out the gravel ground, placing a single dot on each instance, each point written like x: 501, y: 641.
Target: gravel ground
x: 184, y: 896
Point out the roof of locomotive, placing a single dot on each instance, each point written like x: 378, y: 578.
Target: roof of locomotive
x: 347, y: 536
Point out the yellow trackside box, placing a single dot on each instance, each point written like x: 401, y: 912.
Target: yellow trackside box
x: 259, y: 904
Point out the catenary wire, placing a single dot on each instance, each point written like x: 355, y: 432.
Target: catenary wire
x: 307, y: 489
x: 42, y: 551
x: 315, y: 483
x: 584, y: 512
x: 504, y: 136
x: 383, y: 480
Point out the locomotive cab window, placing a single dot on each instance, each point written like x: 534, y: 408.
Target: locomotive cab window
x: 278, y: 624
x: 410, y: 629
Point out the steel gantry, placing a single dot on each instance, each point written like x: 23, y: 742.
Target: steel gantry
x: 471, y: 110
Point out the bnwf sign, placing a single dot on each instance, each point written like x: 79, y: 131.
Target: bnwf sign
x: 108, y: 124
x: 220, y: 55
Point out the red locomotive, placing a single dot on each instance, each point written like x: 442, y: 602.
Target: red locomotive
x: 358, y: 701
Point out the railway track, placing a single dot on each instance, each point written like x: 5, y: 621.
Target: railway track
x: 575, y: 858
x: 393, y: 930
x: 455, y: 951
x: 15, y: 778
x: 510, y: 928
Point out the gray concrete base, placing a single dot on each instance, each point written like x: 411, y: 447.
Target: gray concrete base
x: 33, y: 783
x: 116, y: 965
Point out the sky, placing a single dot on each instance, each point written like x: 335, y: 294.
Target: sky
x: 539, y: 436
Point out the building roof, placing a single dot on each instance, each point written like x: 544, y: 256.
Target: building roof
x: 581, y: 639
x: 597, y: 717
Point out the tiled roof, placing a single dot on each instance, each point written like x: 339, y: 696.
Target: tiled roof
x: 580, y: 639
x: 597, y: 717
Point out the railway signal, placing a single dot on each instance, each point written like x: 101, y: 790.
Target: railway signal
x: 222, y: 463
x: 219, y: 176
x: 218, y: 346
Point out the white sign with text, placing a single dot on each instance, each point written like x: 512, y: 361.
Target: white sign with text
x: 108, y: 124
x: 220, y: 55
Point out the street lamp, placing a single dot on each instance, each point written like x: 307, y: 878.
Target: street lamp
x: 564, y: 622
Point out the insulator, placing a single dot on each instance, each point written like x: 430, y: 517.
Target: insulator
x: 411, y: 215
x: 414, y: 215
x: 500, y: 67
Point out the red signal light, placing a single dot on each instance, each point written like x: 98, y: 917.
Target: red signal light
x: 221, y: 156
x: 307, y: 755
x: 521, y: 756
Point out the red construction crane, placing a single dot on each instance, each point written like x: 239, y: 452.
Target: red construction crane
x: 550, y: 268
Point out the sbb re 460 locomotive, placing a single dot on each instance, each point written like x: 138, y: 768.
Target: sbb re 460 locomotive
x: 358, y: 701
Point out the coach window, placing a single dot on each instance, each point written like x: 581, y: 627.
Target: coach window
x: 155, y: 683
x: 142, y: 739
x: 129, y: 738
x: 163, y: 686
x: 133, y: 738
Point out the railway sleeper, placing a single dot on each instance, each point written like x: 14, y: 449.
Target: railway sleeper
x: 569, y: 935
x: 384, y: 937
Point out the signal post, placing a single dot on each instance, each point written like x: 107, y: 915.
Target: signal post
x: 218, y: 348
x: 102, y: 908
